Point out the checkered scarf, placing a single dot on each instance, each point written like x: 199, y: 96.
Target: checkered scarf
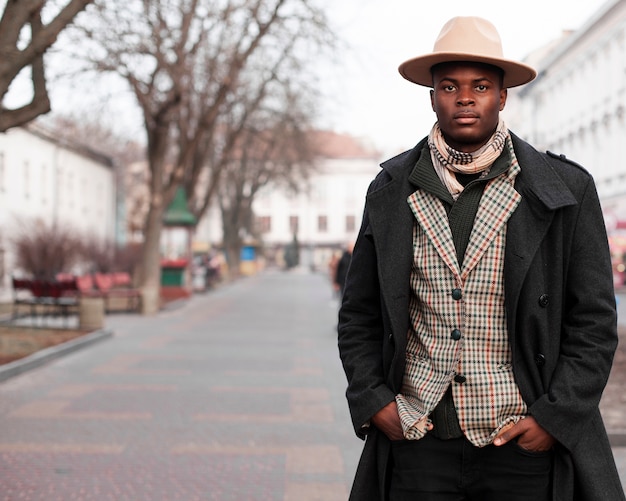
x: 447, y: 160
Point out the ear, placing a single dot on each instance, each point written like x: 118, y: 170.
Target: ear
x: 503, y: 96
x: 432, y: 99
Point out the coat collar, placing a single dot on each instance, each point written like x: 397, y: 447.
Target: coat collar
x: 538, y: 180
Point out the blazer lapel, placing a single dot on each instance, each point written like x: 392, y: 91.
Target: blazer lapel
x: 432, y: 218
x: 499, y: 201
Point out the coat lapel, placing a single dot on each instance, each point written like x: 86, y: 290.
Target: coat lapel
x: 391, y: 221
x: 542, y: 192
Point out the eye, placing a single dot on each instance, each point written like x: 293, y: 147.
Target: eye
x: 481, y: 88
x: 449, y: 88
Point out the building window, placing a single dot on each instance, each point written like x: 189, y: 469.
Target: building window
x: 350, y: 224
x: 2, y: 174
x: 44, y: 184
x: 85, y: 196
x: 293, y: 225
x: 264, y: 224
x: 70, y: 189
x: 26, y: 173
x: 322, y: 224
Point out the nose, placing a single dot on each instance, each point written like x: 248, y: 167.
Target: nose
x: 464, y: 98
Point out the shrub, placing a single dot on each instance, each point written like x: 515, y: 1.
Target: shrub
x: 43, y: 250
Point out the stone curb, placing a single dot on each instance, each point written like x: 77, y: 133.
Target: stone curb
x: 46, y: 355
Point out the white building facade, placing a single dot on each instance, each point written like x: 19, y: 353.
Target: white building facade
x: 47, y: 180
x: 325, y: 215
x: 577, y: 104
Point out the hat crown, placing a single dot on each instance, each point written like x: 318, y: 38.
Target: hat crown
x: 472, y: 35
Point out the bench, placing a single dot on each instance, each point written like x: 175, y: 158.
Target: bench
x: 44, y: 297
x: 57, y: 297
x: 114, y: 286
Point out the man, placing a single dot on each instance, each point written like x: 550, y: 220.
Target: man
x: 341, y: 270
x: 478, y: 324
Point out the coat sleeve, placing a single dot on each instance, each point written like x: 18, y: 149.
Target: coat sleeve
x: 361, y: 333
x: 587, y: 339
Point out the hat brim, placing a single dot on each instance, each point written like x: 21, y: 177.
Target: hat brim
x: 418, y: 69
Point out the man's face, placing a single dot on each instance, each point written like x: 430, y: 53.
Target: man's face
x: 467, y: 98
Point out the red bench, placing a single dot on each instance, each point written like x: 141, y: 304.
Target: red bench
x: 44, y: 297
x: 54, y: 297
x: 117, y: 286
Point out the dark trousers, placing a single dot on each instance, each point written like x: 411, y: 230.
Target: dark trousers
x: 431, y: 469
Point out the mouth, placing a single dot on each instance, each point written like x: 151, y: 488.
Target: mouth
x: 466, y: 117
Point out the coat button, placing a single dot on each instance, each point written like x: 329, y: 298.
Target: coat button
x: 457, y: 294
x: 544, y: 299
x: 455, y: 334
x: 460, y: 379
x: 540, y: 360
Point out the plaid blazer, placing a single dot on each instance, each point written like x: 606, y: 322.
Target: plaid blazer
x: 560, y: 314
x: 486, y: 396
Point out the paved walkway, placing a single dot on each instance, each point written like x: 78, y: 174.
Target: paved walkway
x: 237, y: 395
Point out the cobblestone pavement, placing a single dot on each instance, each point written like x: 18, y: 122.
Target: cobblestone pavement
x: 236, y: 395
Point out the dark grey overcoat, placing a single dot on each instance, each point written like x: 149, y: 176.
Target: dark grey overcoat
x: 560, y: 308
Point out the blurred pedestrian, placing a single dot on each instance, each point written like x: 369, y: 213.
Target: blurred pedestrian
x: 478, y: 323
x: 341, y: 270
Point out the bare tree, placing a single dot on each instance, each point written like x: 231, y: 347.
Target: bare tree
x: 273, y: 147
x: 184, y: 60
x: 24, y: 39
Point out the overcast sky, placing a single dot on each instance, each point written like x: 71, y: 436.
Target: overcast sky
x: 371, y: 99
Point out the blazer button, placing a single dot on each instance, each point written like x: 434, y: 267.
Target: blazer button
x: 455, y: 334
x: 457, y: 294
x: 540, y: 360
x: 544, y: 299
x: 460, y: 379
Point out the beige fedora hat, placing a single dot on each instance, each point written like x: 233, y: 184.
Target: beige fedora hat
x: 467, y: 39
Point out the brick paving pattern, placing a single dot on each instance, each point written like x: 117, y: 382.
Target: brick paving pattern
x: 237, y: 395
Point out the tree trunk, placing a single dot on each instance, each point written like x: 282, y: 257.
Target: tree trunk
x: 150, y: 275
x: 232, y: 243
x: 233, y: 258
x: 151, y: 261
